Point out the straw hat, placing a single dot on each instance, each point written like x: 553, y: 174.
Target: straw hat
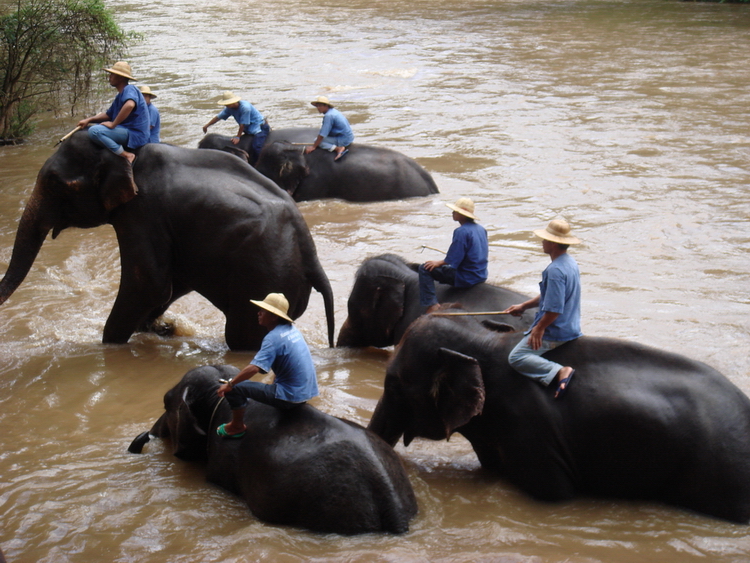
x: 557, y: 231
x: 228, y: 98
x: 322, y: 100
x: 464, y: 206
x: 146, y: 91
x: 121, y: 68
x: 275, y: 303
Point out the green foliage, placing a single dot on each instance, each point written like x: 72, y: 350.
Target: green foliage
x: 49, y: 50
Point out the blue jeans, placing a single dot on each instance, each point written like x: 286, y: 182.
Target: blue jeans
x: 259, y: 139
x: 113, y: 139
x: 261, y: 392
x: 441, y: 274
x: 529, y: 362
x: 328, y: 143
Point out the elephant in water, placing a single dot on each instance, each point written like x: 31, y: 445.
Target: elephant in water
x: 385, y: 300
x: 201, y: 221
x: 299, y: 467
x: 367, y: 173
x: 635, y: 423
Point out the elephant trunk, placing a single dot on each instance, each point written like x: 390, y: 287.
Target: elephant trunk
x: 32, y: 230
x: 389, y: 419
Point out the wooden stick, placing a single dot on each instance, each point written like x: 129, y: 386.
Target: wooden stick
x: 431, y: 248
x: 471, y: 314
x: 68, y: 135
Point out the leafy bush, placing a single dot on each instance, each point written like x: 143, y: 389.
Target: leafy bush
x: 49, y: 50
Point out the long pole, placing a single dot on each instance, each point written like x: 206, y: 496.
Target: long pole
x: 68, y: 135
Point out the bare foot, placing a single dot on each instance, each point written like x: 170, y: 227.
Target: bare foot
x: 432, y: 308
x: 129, y: 156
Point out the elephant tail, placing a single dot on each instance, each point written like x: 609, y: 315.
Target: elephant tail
x: 322, y: 285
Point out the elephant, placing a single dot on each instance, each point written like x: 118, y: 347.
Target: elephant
x: 201, y: 221
x: 367, y: 173
x: 298, y: 467
x: 385, y: 300
x: 636, y: 422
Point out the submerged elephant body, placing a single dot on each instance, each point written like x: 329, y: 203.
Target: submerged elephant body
x: 385, y: 300
x: 367, y: 173
x: 202, y: 221
x: 299, y: 467
x: 636, y: 422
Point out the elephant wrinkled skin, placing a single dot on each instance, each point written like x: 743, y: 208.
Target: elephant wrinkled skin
x: 635, y: 423
x: 202, y: 221
x: 385, y: 300
x: 367, y: 173
x: 300, y: 467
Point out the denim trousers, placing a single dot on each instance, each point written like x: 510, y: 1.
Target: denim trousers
x: 427, y: 279
x: 112, y: 139
x: 257, y: 142
x: 330, y: 143
x: 261, y: 392
x: 529, y: 362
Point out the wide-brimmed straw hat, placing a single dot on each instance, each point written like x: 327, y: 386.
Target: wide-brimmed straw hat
x: 275, y: 303
x: 557, y: 231
x: 121, y: 68
x: 146, y: 91
x: 464, y: 206
x: 228, y: 98
x: 321, y: 100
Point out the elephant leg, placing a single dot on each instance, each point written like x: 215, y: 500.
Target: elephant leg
x: 163, y: 329
x: 145, y: 286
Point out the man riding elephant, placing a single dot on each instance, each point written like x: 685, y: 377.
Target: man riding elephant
x: 285, y: 351
x: 335, y: 134
x: 558, y: 319
x: 253, y: 127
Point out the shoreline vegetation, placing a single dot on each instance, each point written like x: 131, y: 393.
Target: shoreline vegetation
x: 49, y: 52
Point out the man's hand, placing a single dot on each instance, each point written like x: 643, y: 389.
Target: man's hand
x: 515, y: 310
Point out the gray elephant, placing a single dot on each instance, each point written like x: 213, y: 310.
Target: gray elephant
x: 201, y: 221
x: 367, y: 173
x: 636, y: 422
x: 385, y: 300
x: 298, y: 467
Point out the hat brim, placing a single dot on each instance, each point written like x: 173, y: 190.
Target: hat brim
x: 461, y: 211
x: 271, y: 309
x: 229, y: 102
x: 546, y: 235
x: 119, y: 73
x: 316, y: 103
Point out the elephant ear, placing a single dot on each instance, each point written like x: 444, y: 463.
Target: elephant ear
x: 115, y: 180
x: 189, y: 418
x: 458, y: 389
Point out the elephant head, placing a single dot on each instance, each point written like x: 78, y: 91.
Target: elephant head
x: 189, y: 407
x: 429, y: 390
x: 78, y: 186
x: 283, y: 163
x: 377, y: 302
x: 224, y: 143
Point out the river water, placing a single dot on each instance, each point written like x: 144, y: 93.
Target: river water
x: 627, y: 118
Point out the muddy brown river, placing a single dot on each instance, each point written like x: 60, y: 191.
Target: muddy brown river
x: 627, y: 118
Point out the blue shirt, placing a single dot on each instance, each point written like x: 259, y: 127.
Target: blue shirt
x: 560, y: 292
x: 336, y: 125
x: 246, y: 115
x: 137, y: 123
x: 285, y: 351
x: 155, y: 120
x: 468, y: 254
